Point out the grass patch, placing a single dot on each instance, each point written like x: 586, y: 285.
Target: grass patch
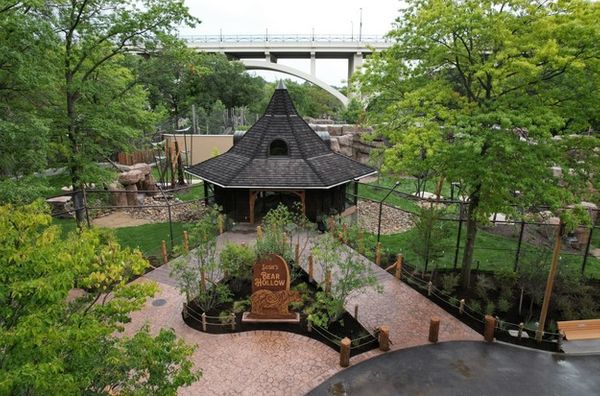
x: 146, y: 237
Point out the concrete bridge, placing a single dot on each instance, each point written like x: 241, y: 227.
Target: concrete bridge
x: 261, y: 52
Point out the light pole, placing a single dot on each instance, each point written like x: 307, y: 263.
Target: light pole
x: 360, y: 27
x: 381, y: 209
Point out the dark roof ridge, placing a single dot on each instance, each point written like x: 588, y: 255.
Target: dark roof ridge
x: 304, y: 157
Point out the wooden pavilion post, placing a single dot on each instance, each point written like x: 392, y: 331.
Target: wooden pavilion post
x: 251, y: 202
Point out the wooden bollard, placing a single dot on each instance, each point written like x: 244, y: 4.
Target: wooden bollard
x: 163, y: 249
x: 186, y: 241
x: 489, y: 329
x: 345, y: 352
x: 434, y: 329
x: 429, y: 288
x: 221, y: 223
x: 384, y: 338
x: 520, y: 333
x: 308, y: 326
x: 378, y: 254
x: 259, y: 233
x: 399, y: 264
x: 203, y: 321
x: 232, y: 321
x: 330, y: 224
x: 461, y: 307
x: 310, y: 268
x: 328, y: 281
x: 297, y: 256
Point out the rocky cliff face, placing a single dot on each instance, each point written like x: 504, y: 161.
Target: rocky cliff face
x: 348, y: 139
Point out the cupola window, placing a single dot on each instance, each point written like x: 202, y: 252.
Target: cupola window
x: 278, y: 148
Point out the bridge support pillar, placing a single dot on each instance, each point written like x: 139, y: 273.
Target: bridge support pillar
x: 354, y: 62
x: 313, y: 64
x: 270, y: 57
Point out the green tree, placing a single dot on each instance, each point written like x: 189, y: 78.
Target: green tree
x: 27, y: 75
x: 429, y: 236
x: 102, y: 107
x: 486, y: 94
x: 55, y: 341
x: 199, y: 273
x: 350, y: 274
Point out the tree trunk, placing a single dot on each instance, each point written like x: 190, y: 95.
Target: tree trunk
x: 470, y: 240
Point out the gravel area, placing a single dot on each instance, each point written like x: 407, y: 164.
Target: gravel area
x: 393, y: 221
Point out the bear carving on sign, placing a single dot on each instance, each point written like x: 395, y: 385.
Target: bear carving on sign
x: 271, y: 293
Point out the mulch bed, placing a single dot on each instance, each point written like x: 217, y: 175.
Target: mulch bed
x: 347, y: 326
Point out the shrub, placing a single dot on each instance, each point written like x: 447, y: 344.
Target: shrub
x: 483, y: 286
x: 450, y: 283
x: 475, y: 306
x: 236, y: 262
x: 503, y: 305
x: 490, y: 308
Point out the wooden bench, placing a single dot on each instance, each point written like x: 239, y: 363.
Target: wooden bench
x: 580, y: 329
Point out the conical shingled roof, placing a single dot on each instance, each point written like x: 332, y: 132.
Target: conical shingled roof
x: 309, y: 162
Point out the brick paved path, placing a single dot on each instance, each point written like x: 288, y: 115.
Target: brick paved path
x: 403, y: 309
x: 280, y: 363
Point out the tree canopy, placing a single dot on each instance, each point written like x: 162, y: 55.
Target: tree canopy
x: 53, y: 341
x: 489, y: 94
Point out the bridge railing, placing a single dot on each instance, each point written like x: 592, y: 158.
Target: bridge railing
x: 283, y: 38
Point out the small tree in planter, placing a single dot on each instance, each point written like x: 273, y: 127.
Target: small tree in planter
x: 237, y: 261
x: 351, y: 275
x: 198, y: 273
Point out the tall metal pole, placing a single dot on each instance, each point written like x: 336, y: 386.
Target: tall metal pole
x: 360, y: 27
x: 550, y: 282
x: 588, y: 245
x: 518, y: 255
x: 460, y: 221
x: 381, y: 209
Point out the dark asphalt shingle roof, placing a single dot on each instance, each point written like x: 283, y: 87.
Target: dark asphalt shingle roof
x: 310, y: 163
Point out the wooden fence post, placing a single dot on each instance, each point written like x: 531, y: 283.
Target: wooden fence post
x: 489, y: 329
x: 259, y: 233
x: 163, y: 249
x: 186, y: 241
x: 310, y: 268
x: 232, y: 321
x: 345, y: 352
x: 221, y: 223
x: 429, y: 288
x: 384, y: 338
x: 520, y: 333
x: 203, y: 321
x: 399, y: 264
x: 434, y: 329
x: 461, y: 308
x: 378, y: 254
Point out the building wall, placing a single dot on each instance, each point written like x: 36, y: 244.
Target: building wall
x: 201, y: 147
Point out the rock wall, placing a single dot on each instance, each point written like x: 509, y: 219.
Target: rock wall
x: 348, y: 139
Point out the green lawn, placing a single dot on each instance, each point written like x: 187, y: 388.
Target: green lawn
x: 146, y: 237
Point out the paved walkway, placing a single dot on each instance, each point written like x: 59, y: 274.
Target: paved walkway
x: 468, y: 368
x: 281, y: 363
x: 403, y: 309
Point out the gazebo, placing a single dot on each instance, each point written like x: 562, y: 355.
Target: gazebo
x: 280, y: 159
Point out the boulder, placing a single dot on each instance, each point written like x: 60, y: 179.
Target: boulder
x: 334, y: 130
x: 346, y: 150
x: 130, y: 177
x: 132, y: 195
x: 335, y: 145
x: 61, y: 207
x: 148, y: 184
x: 145, y: 168
x: 117, y: 197
x: 346, y: 140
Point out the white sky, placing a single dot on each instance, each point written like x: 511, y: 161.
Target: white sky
x: 295, y: 17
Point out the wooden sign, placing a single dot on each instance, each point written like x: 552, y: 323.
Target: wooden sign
x: 271, y: 293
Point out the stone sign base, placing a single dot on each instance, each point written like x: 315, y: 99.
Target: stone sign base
x: 247, y: 318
